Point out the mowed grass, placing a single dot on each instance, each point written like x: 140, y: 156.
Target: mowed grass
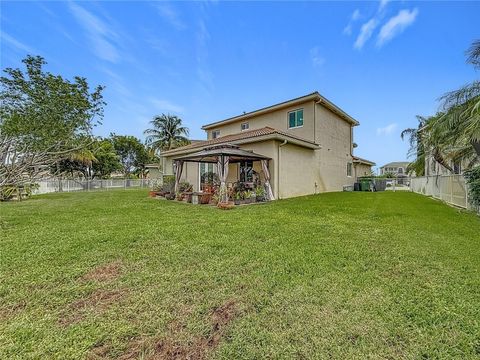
x: 339, y: 275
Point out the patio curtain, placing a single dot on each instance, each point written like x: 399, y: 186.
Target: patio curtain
x: 222, y: 164
x: 178, y: 168
x: 267, y: 179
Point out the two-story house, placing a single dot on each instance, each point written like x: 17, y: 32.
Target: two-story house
x: 397, y: 168
x: 308, y: 141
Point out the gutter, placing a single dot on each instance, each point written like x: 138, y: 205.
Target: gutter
x: 285, y: 142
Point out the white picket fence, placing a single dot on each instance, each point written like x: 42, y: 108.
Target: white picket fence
x: 57, y: 185
x: 450, y: 188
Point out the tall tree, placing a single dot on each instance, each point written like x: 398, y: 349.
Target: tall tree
x: 460, y: 124
x: 131, y: 152
x: 167, y: 132
x: 98, y: 160
x: 44, y: 118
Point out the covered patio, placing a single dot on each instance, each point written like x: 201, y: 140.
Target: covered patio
x: 222, y: 156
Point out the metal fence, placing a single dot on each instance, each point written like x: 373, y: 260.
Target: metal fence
x: 450, y: 188
x: 58, y: 185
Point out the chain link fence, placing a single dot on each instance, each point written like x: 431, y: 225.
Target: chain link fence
x: 60, y: 185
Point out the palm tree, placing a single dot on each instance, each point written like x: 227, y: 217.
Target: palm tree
x: 460, y: 124
x: 166, y: 133
x: 424, y: 141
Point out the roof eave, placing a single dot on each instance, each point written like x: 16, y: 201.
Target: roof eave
x: 275, y: 136
x: 302, y: 99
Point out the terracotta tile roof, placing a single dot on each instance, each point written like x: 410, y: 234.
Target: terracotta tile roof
x: 248, y: 134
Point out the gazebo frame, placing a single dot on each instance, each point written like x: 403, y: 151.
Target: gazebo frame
x: 223, y: 155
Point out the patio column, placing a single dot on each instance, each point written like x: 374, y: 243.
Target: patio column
x: 178, y: 168
x: 267, y: 179
x: 222, y: 164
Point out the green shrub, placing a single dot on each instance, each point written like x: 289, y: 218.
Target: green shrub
x: 473, y: 181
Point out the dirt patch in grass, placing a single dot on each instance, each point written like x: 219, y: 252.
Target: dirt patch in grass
x: 104, y: 272
x: 97, y: 302
x: 100, y: 351
x: 197, y: 348
x: 7, y: 312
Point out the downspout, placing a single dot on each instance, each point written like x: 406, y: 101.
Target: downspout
x: 285, y: 142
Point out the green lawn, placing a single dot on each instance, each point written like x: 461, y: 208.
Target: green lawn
x: 340, y: 275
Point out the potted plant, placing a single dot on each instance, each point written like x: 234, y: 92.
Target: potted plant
x: 155, y: 188
x: 237, y: 198
x: 248, y: 197
x: 253, y: 196
x: 260, y: 193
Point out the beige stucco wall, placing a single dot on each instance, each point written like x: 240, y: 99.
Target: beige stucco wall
x: 277, y: 119
x: 362, y: 170
x: 335, y: 138
x: 296, y: 170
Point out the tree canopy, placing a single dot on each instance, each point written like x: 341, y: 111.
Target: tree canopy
x: 44, y: 119
x: 45, y: 110
x: 166, y: 133
x: 453, y: 133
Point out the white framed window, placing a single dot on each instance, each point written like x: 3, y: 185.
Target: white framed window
x: 215, y: 134
x: 295, y: 118
x: 244, y: 126
x: 457, y: 167
x: 349, y: 169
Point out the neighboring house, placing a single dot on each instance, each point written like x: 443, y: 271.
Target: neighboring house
x: 153, y: 171
x: 308, y: 141
x: 362, y: 167
x: 397, y: 168
x: 432, y: 167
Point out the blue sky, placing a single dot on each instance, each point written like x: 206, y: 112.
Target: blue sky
x: 382, y: 62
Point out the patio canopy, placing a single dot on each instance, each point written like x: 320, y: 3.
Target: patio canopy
x: 212, y: 154
x: 222, y: 155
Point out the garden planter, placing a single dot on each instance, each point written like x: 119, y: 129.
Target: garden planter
x: 205, y: 198
x: 225, y: 206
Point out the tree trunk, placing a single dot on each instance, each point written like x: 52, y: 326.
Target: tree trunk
x: 439, y: 158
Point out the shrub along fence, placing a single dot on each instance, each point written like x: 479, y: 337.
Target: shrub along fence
x: 452, y: 189
x: 58, y: 185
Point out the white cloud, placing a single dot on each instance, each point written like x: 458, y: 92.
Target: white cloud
x: 16, y: 44
x: 165, y: 105
x: 396, y: 25
x: 170, y: 15
x: 383, y: 4
x: 354, y: 17
x: 102, y: 37
x: 387, y: 130
x: 366, y: 32
x: 317, y: 59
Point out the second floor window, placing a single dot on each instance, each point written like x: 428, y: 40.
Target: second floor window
x: 295, y: 118
x: 244, y: 126
x: 215, y: 134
